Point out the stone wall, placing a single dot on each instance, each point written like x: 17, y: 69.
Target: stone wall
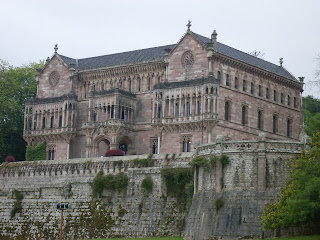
x: 252, y: 179
x: 129, y: 213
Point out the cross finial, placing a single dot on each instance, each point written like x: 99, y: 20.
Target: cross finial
x: 189, y: 25
x: 55, y: 48
x: 281, y: 61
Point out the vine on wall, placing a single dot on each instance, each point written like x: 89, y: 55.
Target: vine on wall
x: 36, y: 152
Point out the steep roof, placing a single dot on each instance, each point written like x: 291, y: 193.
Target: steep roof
x: 158, y: 53
x: 249, y: 59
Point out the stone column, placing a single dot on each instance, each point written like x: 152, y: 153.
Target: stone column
x: 191, y: 105
x: 174, y: 106
x: 153, y: 108
x: 169, y: 109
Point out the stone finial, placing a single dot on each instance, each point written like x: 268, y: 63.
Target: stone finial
x: 55, y: 48
x: 214, y: 40
x: 189, y: 25
x: 262, y: 137
x: 281, y: 61
x: 48, y: 59
x: 301, y: 79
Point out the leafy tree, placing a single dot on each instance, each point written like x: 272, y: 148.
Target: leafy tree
x: 311, y: 109
x: 299, y: 202
x: 16, y: 84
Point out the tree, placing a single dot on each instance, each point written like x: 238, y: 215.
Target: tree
x: 16, y: 84
x: 299, y: 202
x: 311, y: 109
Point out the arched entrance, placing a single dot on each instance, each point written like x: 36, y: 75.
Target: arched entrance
x: 102, y: 146
x: 125, y: 144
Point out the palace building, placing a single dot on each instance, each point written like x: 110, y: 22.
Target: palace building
x: 164, y: 99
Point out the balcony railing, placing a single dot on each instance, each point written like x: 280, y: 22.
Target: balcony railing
x: 49, y: 131
x: 181, y: 119
x: 109, y: 122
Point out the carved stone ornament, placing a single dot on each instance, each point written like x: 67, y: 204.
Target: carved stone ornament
x: 187, y: 59
x: 54, y: 78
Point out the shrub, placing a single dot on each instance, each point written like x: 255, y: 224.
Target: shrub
x: 218, y: 203
x: 147, y: 184
x: 178, y: 182
x: 9, y: 159
x: 200, y: 161
x: 114, y: 152
x: 109, y: 182
x: 224, y: 159
x: 36, y: 152
x: 17, y: 207
x: 144, y: 162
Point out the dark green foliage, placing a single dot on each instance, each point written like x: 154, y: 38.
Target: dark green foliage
x: 299, y: 202
x: 122, y: 211
x: 147, y: 184
x: 16, y: 84
x: 311, y: 109
x: 224, y: 159
x: 144, y: 162
x: 109, y: 182
x: 218, y: 204
x: 140, y: 207
x: 17, y: 207
x: 200, y: 161
x: 178, y: 182
x: 36, y: 152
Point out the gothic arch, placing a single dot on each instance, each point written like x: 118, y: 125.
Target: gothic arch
x: 128, y: 142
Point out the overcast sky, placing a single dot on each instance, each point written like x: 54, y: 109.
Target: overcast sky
x: 287, y: 28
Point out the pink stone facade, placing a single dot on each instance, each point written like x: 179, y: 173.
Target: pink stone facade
x: 168, y: 105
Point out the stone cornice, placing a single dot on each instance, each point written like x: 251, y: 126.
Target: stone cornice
x: 51, y: 100
x: 121, y: 70
x: 258, y: 71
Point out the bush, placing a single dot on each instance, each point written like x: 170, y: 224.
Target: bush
x: 10, y: 159
x: 109, y: 182
x: 147, y: 184
x: 200, y: 161
x: 178, y: 182
x: 218, y: 203
x: 36, y: 152
x: 144, y: 162
x: 114, y: 152
x: 17, y: 207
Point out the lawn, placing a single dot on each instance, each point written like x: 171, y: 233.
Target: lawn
x: 314, y: 237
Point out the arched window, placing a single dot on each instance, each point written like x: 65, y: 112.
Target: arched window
x: 51, y: 121
x: 282, y: 98
x: 177, y: 110
x: 295, y: 102
x: 149, y: 84
x: 130, y: 85
x: 198, y: 108
x: 139, y: 85
x: 289, y: 127
x: 275, y: 95
x: 236, y: 82
x: 275, y: 124
x: 188, y: 109
x: 260, y: 122
x: 227, y: 80
x: 60, y: 121
x: 154, y: 145
x: 267, y: 93
x: 244, y: 87
x: 260, y: 91
x: 252, y: 88
x: 244, y: 115
x: 219, y: 76
x: 43, y: 123
x: 227, y: 111
x: 289, y: 100
x: 186, y: 144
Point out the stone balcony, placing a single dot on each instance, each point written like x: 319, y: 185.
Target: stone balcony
x: 108, y: 123
x: 189, y: 122
x: 49, y: 131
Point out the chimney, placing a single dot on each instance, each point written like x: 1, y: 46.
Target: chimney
x: 214, y: 40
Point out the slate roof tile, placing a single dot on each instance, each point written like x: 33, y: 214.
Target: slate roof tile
x: 158, y: 53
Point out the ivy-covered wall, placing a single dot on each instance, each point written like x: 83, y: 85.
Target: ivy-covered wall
x: 124, y: 207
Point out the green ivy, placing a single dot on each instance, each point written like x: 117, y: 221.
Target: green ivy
x: 147, y: 184
x: 17, y: 207
x: 179, y: 181
x: 109, y: 182
x: 224, y: 159
x: 218, y: 203
x: 200, y: 161
x: 144, y: 162
x: 36, y: 152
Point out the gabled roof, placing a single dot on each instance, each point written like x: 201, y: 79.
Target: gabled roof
x: 158, y: 53
x: 124, y: 58
x: 249, y: 59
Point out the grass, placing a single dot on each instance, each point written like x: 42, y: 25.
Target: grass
x: 151, y: 238
x: 313, y: 237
